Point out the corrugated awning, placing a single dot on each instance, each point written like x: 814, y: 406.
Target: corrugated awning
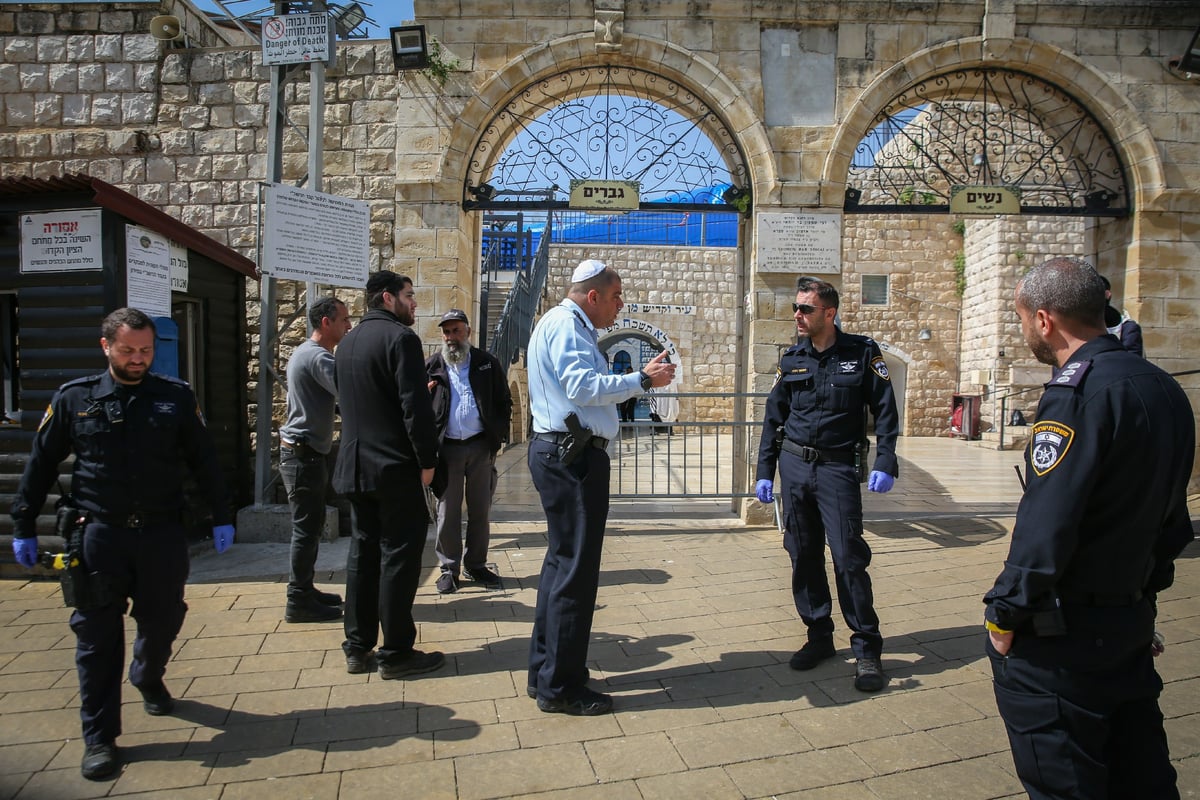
x: 121, y: 202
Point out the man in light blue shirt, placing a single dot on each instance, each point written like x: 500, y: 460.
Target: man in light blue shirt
x: 568, y: 375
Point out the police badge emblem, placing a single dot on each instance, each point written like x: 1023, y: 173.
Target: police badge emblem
x: 880, y: 367
x: 1048, y: 445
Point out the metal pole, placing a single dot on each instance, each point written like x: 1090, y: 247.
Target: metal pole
x: 316, y: 144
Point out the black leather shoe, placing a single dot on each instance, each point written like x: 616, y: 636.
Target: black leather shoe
x: 584, y: 703
x: 814, y: 652
x: 531, y: 691
x: 446, y: 583
x: 359, y: 662
x: 100, y: 761
x: 868, y: 675
x: 483, y: 575
x: 327, y: 598
x: 157, y: 701
x: 415, y: 663
x: 308, y: 609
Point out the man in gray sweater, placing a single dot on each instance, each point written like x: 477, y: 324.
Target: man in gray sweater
x: 305, y: 440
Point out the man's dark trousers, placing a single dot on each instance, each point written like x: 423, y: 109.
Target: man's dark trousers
x: 1082, y: 710
x: 471, y: 469
x: 575, y: 499
x: 822, y: 502
x: 384, y: 566
x: 305, y: 474
x: 149, y: 566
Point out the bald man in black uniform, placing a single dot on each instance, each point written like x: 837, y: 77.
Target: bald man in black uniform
x: 1070, y: 619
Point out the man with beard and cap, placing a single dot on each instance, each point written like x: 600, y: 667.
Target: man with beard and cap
x: 1070, y: 619
x: 136, y: 435
x: 573, y: 401
x: 814, y: 429
x: 385, y: 460
x: 472, y: 406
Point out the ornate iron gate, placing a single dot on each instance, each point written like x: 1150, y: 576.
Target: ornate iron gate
x: 987, y: 127
x: 607, y: 123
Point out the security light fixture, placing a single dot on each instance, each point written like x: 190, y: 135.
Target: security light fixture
x: 483, y: 192
x: 409, y: 47
x: 1188, y: 64
x: 1097, y: 201
x: 853, y: 196
x: 924, y: 335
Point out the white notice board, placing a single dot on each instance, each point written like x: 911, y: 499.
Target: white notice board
x: 298, y: 39
x: 61, y: 241
x: 317, y: 237
x: 799, y: 243
x: 147, y: 271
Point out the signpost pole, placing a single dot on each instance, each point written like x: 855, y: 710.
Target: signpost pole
x: 266, y: 294
x: 316, y: 145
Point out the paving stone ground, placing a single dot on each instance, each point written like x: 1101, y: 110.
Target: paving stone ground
x: 692, y: 635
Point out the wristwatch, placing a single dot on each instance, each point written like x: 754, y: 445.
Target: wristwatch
x: 646, y: 382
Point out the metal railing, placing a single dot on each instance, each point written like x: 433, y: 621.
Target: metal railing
x: 692, y: 459
x: 1004, y: 401
x: 516, y: 319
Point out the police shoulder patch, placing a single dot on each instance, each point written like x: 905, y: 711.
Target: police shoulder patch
x: 46, y: 417
x: 1049, y: 442
x: 1071, y: 374
x: 880, y: 368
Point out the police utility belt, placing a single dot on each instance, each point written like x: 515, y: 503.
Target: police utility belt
x: 599, y: 442
x: 815, y: 455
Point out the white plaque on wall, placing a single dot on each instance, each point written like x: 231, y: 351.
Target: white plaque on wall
x: 799, y: 243
x: 61, y: 241
x: 313, y: 236
x: 147, y: 271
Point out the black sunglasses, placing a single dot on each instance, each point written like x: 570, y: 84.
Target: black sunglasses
x: 805, y: 308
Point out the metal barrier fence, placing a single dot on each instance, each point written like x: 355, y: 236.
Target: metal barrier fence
x: 686, y: 458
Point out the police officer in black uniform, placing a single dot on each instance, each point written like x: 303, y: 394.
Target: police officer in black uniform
x: 1070, y: 619
x: 815, y: 429
x: 130, y: 431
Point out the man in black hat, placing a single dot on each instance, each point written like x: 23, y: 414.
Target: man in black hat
x: 386, y: 458
x: 472, y: 406
x: 1120, y: 324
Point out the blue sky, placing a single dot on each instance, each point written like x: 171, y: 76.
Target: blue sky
x: 386, y: 13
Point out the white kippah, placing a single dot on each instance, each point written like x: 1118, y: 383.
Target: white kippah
x: 587, y: 269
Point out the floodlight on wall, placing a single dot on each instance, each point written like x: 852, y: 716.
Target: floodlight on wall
x: 1097, y: 201
x: 483, y: 192
x: 853, y: 196
x: 1187, y: 66
x: 346, y: 19
x: 409, y: 47
x: 924, y: 335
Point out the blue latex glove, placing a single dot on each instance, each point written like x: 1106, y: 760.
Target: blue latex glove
x: 223, y: 537
x: 763, y: 490
x: 880, y: 482
x: 26, y: 551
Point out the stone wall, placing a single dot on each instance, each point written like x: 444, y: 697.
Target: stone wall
x: 83, y: 88
x: 705, y: 279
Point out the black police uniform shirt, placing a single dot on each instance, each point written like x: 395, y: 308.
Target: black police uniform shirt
x: 1104, y: 512
x: 818, y: 398
x: 128, y: 442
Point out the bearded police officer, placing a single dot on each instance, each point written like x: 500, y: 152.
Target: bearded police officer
x: 131, y: 432
x: 1070, y: 619
x: 815, y: 429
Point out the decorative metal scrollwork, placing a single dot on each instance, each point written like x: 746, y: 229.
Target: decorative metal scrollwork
x: 987, y: 127
x: 605, y: 123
